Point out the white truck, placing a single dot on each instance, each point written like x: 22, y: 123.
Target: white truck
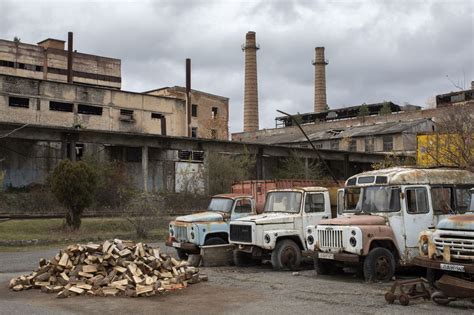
x: 278, y: 233
x: 382, y: 214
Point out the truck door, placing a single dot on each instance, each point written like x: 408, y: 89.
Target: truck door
x: 417, y: 217
x: 315, y: 206
x: 242, y: 208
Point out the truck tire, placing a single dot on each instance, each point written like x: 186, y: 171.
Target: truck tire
x: 379, y: 265
x: 214, y: 241
x: 182, y: 255
x: 243, y: 259
x: 286, y: 255
x: 323, y: 267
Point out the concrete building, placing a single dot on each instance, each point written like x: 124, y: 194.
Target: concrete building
x: 209, y: 112
x: 49, y: 61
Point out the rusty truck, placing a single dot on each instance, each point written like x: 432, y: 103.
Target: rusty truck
x: 278, y: 233
x: 187, y: 234
x: 382, y: 213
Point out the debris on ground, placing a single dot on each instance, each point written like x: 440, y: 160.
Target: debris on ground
x: 112, y: 268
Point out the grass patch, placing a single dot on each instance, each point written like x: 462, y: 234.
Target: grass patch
x: 54, y: 231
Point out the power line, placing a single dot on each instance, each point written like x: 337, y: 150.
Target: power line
x: 13, y: 131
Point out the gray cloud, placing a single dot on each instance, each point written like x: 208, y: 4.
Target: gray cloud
x: 377, y: 50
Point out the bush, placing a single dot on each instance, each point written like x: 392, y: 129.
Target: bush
x: 142, y: 214
x: 74, y: 185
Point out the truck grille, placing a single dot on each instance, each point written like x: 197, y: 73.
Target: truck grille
x: 180, y: 233
x: 460, y: 245
x: 241, y: 233
x: 330, y: 238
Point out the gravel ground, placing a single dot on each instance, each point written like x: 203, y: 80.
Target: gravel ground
x: 230, y: 290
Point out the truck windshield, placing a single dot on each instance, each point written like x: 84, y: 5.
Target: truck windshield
x: 220, y: 204
x: 372, y: 199
x: 283, y: 201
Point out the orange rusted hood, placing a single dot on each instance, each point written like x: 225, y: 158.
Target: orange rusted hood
x: 355, y: 220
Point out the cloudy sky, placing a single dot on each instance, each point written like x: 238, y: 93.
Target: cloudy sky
x: 402, y: 51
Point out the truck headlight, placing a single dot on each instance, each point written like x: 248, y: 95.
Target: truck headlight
x: 309, y: 231
x: 171, y: 231
x: 424, y: 248
x: 267, y: 238
x: 353, y: 241
x: 310, y: 240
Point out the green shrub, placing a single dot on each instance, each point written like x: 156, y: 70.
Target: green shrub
x: 74, y: 185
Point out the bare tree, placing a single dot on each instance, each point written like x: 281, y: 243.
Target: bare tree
x: 453, y: 142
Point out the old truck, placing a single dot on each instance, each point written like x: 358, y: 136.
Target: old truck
x: 278, y: 233
x: 382, y: 213
x: 187, y: 234
x: 448, y: 254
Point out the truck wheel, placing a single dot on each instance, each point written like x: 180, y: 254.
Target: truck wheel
x: 323, y: 267
x: 379, y: 265
x: 182, y: 255
x: 214, y: 241
x: 243, y: 259
x: 440, y: 298
x: 286, y: 255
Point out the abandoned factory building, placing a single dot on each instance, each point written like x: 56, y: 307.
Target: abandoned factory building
x: 45, y: 85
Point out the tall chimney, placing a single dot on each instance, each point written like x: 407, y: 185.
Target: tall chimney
x: 250, y: 88
x: 69, y: 57
x: 319, y: 80
x: 188, y: 96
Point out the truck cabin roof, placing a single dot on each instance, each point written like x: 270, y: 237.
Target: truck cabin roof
x: 232, y: 196
x: 412, y: 176
x: 302, y: 189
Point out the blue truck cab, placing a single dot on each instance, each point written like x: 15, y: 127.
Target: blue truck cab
x: 188, y: 233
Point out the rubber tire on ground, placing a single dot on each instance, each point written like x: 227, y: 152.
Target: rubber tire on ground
x: 440, y: 298
x: 323, y: 267
x: 243, y: 259
x: 182, y: 255
x: 376, y: 257
x: 214, y: 241
x: 404, y: 299
x: 286, y: 255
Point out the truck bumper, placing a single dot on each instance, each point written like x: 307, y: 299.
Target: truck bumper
x: 441, y: 265
x: 187, y: 247
x: 343, y: 257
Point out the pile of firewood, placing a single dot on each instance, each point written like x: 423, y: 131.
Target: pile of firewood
x: 109, y: 269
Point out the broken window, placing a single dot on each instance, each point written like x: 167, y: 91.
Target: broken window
x: 188, y: 155
x: 314, y: 203
x: 463, y: 199
x: 194, y: 110
x: 387, y: 143
x: 194, y: 132
x: 353, y: 145
x: 61, y: 107
x: 334, y: 144
x: 89, y: 110
x: 213, y: 133
x: 156, y: 116
x: 214, y: 112
x: 18, y: 102
x: 441, y: 198
x: 417, y: 200
x: 126, y: 115
x: 369, y: 144
x: 5, y: 63
x: 133, y: 154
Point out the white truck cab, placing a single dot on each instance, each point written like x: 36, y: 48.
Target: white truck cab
x: 278, y: 233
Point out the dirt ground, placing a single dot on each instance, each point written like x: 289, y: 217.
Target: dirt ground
x: 230, y: 290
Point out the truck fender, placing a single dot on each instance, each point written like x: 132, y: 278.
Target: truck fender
x: 270, y: 238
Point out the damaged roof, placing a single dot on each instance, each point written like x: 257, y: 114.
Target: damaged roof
x: 345, y: 132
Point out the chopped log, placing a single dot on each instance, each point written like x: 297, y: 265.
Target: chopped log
x: 89, y: 268
x: 143, y: 289
x: 76, y: 289
x: 63, y: 260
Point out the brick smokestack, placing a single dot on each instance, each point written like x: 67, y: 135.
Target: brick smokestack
x: 319, y: 80
x: 250, y: 88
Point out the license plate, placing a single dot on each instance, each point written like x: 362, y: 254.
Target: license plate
x: 326, y: 255
x: 451, y: 267
x: 176, y: 244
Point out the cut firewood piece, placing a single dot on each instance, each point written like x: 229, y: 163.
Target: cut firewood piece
x: 85, y: 274
x: 84, y: 286
x: 120, y: 269
x: 106, y: 246
x: 77, y: 290
x: 120, y: 283
x: 125, y: 252
x: 138, y: 280
x: 89, y: 268
x: 63, y: 294
x: 63, y: 260
x: 64, y: 276
x: 143, y: 289
x: 39, y: 284
x: 109, y: 291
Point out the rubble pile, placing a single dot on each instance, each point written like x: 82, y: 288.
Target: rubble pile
x: 109, y: 269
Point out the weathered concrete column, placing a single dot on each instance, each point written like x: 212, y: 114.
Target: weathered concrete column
x: 259, y: 164
x: 145, y: 168
x: 72, y: 150
x: 250, y: 87
x: 319, y: 80
x: 346, y: 166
